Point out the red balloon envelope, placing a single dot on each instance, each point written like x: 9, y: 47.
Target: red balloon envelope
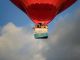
x: 42, y: 11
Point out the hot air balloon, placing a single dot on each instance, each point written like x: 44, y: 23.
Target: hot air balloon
x: 42, y: 12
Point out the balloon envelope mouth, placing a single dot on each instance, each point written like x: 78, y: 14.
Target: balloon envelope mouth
x: 41, y: 12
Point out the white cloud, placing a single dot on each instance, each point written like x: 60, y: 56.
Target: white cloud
x: 16, y: 44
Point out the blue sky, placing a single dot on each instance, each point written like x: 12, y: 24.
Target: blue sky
x: 10, y: 13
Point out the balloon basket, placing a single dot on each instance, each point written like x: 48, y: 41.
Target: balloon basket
x: 41, y: 32
x: 41, y: 36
